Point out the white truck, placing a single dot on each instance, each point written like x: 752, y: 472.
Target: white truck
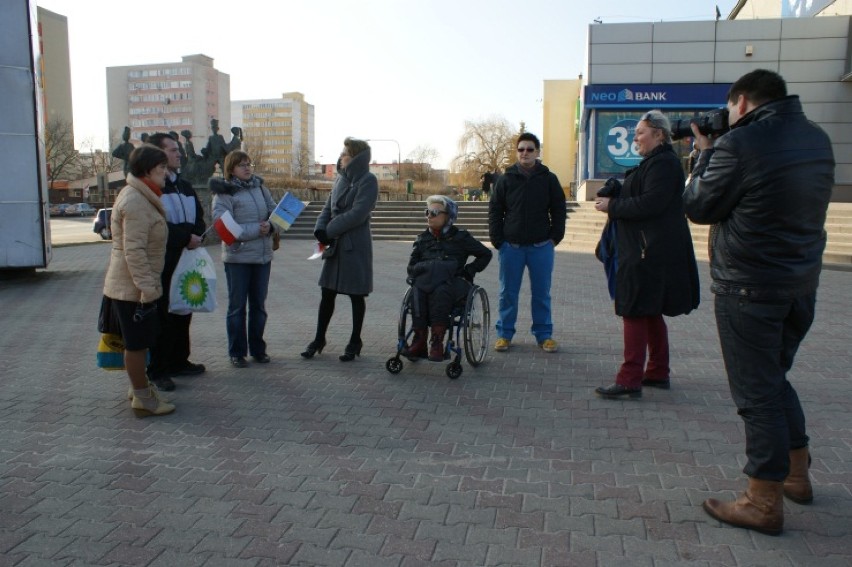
x: 24, y: 217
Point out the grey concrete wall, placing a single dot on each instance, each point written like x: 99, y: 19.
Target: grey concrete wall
x: 812, y: 54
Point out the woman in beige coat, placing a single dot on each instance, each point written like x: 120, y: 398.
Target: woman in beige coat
x: 132, y: 283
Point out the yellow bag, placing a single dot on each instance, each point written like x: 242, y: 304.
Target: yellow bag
x: 111, y: 352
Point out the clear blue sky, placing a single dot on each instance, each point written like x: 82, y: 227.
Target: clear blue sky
x: 410, y: 70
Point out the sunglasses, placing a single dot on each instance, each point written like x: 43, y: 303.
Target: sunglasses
x: 525, y: 149
x: 434, y: 212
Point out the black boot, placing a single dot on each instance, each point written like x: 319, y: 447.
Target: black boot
x: 352, y: 350
x: 315, y: 347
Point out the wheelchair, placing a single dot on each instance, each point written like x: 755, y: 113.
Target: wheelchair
x: 468, y: 332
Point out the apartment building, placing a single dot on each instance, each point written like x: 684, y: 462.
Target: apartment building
x: 55, y: 68
x: 159, y: 97
x: 278, y: 133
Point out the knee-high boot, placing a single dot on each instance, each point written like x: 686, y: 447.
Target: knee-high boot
x: 418, y: 347
x: 759, y: 508
x: 436, y: 344
x: 797, y: 485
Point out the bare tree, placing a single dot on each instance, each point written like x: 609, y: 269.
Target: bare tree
x: 254, y: 145
x: 59, y: 149
x: 485, y: 145
x: 418, y: 166
x: 93, y: 161
x: 302, y: 162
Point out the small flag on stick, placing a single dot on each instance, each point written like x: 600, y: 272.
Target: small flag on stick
x: 288, y: 210
x: 227, y: 228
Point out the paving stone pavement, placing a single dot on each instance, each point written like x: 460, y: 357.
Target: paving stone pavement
x: 324, y: 463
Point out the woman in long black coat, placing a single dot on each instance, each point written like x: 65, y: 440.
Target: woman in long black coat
x: 656, y: 271
x: 344, y: 225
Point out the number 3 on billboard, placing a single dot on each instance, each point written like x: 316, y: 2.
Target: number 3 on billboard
x: 620, y: 146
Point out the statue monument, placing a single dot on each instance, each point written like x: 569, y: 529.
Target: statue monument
x: 122, y: 150
x: 199, y: 168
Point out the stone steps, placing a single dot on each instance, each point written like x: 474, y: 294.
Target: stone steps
x: 585, y: 225
x: 403, y: 220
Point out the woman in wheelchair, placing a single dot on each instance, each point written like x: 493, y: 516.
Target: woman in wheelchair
x: 440, y: 275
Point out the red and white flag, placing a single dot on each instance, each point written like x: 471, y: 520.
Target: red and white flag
x: 229, y: 230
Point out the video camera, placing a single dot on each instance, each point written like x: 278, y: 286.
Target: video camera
x: 711, y: 123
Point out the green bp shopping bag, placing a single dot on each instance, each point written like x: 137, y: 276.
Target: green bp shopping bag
x: 193, y: 287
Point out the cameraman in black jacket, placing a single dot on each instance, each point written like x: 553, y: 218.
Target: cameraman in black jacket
x: 765, y: 188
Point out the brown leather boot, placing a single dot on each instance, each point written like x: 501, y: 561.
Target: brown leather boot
x: 797, y: 485
x: 436, y: 344
x: 418, y: 345
x: 759, y: 508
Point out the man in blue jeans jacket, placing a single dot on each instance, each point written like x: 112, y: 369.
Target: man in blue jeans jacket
x: 526, y: 220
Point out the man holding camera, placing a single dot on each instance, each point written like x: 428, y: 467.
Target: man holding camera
x: 765, y: 187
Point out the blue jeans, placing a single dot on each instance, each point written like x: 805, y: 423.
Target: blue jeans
x: 538, y: 259
x: 759, y: 341
x: 247, y: 282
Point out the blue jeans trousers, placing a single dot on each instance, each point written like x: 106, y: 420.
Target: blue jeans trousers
x: 247, y: 283
x: 538, y: 260
x: 759, y: 340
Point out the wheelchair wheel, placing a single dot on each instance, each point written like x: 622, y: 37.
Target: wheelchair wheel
x: 454, y: 370
x: 405, y: 318
x: 477, y: 324
x: 394, y: 365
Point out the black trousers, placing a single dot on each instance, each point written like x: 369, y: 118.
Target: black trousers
x: 436, y: 307
x: 759, y: 341
x: 171, y: 351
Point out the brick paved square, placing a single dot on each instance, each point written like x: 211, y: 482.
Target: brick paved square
x: 319, y: 462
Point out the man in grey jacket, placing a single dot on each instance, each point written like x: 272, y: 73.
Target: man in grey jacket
x: 765, y: 188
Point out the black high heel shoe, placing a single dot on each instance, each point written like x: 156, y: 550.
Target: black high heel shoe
x: 351, y: 351
x: 314, y: 348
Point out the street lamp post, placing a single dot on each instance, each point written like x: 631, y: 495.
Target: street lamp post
x: 398, y: 159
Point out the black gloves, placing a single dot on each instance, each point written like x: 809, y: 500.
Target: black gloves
x: 322, y: 236
x: 468, y: 273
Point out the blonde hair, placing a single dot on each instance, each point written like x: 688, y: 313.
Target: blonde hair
x: 659, y: 121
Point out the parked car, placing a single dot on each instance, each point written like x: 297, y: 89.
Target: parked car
x: 59, y: 210
x: 82, y: 209
x: 101, y: 223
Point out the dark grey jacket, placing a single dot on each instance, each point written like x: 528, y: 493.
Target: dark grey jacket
x: 346, y: 219
x: 765, y: 186
x: 249, y: 203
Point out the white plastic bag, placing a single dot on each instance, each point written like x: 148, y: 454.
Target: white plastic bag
x: 193, y: 287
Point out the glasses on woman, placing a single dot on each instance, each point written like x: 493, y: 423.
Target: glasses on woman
x: 434, y: 212
x: 246, y: 164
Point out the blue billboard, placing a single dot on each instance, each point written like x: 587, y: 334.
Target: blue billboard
x: 698, y: 95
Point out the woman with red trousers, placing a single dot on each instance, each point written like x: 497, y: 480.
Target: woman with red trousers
x: 656, y: 273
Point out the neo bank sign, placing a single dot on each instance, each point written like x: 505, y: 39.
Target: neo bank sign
x: 655, y: 96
